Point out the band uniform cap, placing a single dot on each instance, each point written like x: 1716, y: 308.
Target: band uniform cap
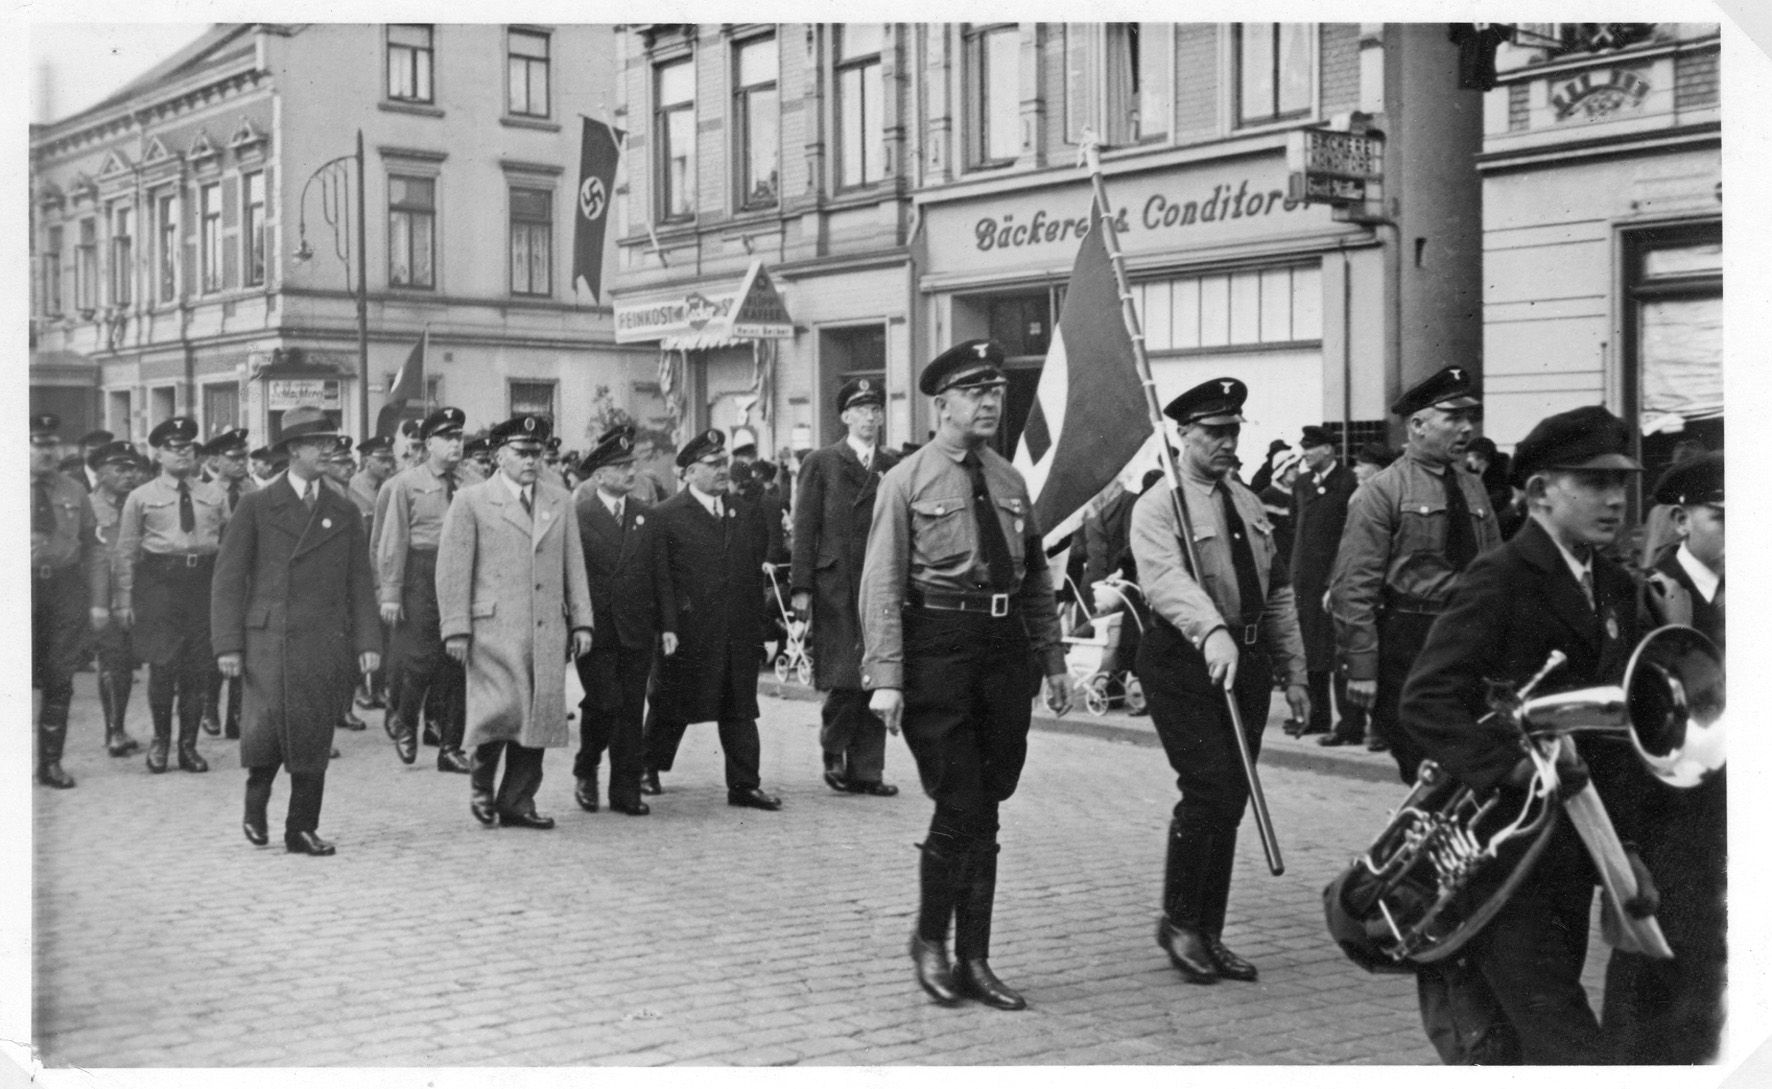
x: 1582, y: 438
x: 303, y: 422
x: 613, y: 430
x: 1214, y: 402
x: 711, y: 441
x: 481, y: 443
x: 860, y: 391
x: 409, y: 428
x: 525, y: 430
x: 263, y: 453
x: 234, y: 438
x: 176, y: 429
x: 1376, y: 453
x: 967, y: 365
x: 444, y: 421
x: 96, y: 437
x: 45, y: 423
x: 376, y: 444
x: 341, y: 450
x: 1694, y: 482
x: 111, y: 453
x: 1316, y: 436
x: 1447, y: 388
x: 615, y: 448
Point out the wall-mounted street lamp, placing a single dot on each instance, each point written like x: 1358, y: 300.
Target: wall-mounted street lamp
x: 334, y: 177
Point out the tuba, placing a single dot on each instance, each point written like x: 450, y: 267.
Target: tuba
x: 1451, y: 856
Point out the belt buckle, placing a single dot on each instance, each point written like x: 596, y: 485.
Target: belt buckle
x: 1251, y: 633
x: 191, y: 559
x: 999, y: 605
x: 45, y: 572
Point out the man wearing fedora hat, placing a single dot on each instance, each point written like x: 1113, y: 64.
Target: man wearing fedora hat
x: 61, y: 548
x: 834, y: 508
x: 167, y: 538
x: 513, y: 607
x: 294, y: 617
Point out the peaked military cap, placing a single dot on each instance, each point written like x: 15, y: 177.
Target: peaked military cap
x: 966, y: 365
x: 376, y: 444
x: 1214, y: 402
x: 444, y: 421
x: 409, y: 428
x: 524, y: 430
x: 1581, y: 438
x: 1447, y: 388
x: 1316, y: 436
x: 615, y: 448
x: 97, y: 437
x: 231, y: 439
x: 181, y: 430
x: 341, y: 451
x: 111, y: 453
x: 45, y: 423
x: 1694, y: 482
x: 263, y: 453
x: 711, y: 441
x: 303, y: 422
x: 481, y: 443
x: 860, y: 391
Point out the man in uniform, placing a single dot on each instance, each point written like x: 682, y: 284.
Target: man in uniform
x: 1672, y: 1011
x: 365, y: 486
x: 167, y: 538
x: 294, y: 599
x: 409, y: 523
x: 621, y: 568
x: 115, y: 465
x: 263, y: 466
x: 1224, y: 636
x: 710, y: 583
x: 1319, y: 503
x: 831, y: 520
x: 513, y: 607
x: 957, y: 612
x: 61, y: 548
x: 1410, y: 531
x: 90, y: 443
x: 226, y: 468
x: 478, y: 452
x: 1550, y: 588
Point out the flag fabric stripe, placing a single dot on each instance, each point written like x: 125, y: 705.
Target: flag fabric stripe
x: 408, y: 384
x: 599, y: 153
x: 1089, y: 403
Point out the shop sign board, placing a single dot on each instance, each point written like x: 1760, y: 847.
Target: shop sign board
x: 746, y: 308
x: 287, y: 393
x: 1332, y: 167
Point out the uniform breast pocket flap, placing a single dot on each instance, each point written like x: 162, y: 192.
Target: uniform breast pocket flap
x: 938, y: 530
x: 484, y: 609
x: 1203, y: 532
x: 1425, y: 506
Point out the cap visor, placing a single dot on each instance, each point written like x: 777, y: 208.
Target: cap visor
x: 1614, y: 462
x: 1219, y: 419
x: 1461, y: 401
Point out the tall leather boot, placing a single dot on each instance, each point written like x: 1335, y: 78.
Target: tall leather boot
x: 482, y: 774
x: 212, y: 686
x: 1220, y: 864
x: 52, y: 733
x: 938, y: 874
x: 190, y: 714
x: 162, y: 742
x: 972, y: 932
x: 1184, y: 891
x: 113, y: 697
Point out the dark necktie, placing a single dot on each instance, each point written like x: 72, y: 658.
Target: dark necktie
x: 187, y: 514
x: 308, y: 494
x: 617, y: 512
x: 1249, y: 598
x: 42, y: 510
x: 1587, y: 588
x: 233, y: 495
x: 449, y: 487
x: 1461, y: 536
x: 999, y: 567
x: 528, y: 507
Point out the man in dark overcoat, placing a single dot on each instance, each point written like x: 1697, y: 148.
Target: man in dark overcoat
x: 621, y: 559
x: 712, y: 579
x: 1319, y: 511
x: 293, y: 613
x: 831, y: 519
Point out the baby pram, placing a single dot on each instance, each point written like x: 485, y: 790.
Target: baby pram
x: 1100, y: 672
x: 791, y: 656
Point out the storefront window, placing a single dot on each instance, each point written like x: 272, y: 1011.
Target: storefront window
x: 1266, y: 306
x: 1674, y: 354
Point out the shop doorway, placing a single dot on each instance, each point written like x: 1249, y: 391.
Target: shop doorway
x: 843, y: 355
x: 1022, y: 322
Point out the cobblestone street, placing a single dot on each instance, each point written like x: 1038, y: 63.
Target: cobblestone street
x: 699, y: 935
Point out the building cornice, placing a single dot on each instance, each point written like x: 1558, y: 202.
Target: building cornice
x: 1704, y: 134
x: 82, y: 132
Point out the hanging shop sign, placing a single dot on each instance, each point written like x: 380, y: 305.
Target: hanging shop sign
x: 1337, y: 168
x: 707, y: 315
x: 287, y: 393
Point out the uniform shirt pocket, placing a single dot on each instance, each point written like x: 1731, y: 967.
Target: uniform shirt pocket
x: 939, y: 533
x: 1012, y: 515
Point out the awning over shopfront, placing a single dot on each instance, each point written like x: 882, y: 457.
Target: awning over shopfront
x: 713, y: 315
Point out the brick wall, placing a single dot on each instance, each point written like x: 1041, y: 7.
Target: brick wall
x: 1196, y: 81
x: 1695, y: 80
x: 1339, y: 69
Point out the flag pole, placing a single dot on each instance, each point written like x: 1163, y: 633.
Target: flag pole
x: 1264, y: 825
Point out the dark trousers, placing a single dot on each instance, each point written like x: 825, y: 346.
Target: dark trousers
x: 305, y: 795
x: 1666, y: 1012
x: 212, y: 704
x: 611, y: 715
x: 854, y: 734
x: 171, y: 634
x: 1400, y: 638
x: 739, y: 742
x: 420, y: 661
x: 58, y: 643
x: 1322, y: 683
x: 522, y: 778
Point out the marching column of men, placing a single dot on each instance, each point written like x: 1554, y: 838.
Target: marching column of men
x: 227, y: 469
x: 117, y: 474
x: 61, y: 545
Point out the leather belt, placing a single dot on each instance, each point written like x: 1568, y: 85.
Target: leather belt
x: 994, y: 605
x: 1247, y: 634
x: 178, y: 559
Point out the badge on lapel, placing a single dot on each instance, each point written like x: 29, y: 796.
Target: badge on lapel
x: 325, y: 523
x: 1611, y: 625
x: 639, y: 519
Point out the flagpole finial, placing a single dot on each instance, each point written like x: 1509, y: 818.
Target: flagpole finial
x: 1089, y: 152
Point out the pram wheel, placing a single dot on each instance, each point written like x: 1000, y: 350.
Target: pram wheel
x: 782, y: 666
x: 1095, y: 694
x: 803, y: 670
x: 1134, y: 695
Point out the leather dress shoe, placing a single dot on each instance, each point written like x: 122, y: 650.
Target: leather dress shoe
x: 452, y: 760
x: 157, y: 754
x: 531, y: 819
x: 256, y: 832
x: 1309, y: 730
x: 635, y: 808
x: 1229, y: 965
x: 1329, y: 741
x: 209, y: 723
x: 1187, y: 951
x: 874, y: 789
x: 405, y: 744
x: 481, y: 806
x: 934, y: 974
x: 52, y: 775
x: 390, y: 725
x: 649, y: 783
x: 122, y: 744
x: 835, y: 776
x: 753, y: 798
x: 190, y: 760
x: 584, y: 792
x: 351, y: 722
x: 1377, y: 744
x: 1292, y: 727
x: 976, y: 980
x: 307, y: 843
